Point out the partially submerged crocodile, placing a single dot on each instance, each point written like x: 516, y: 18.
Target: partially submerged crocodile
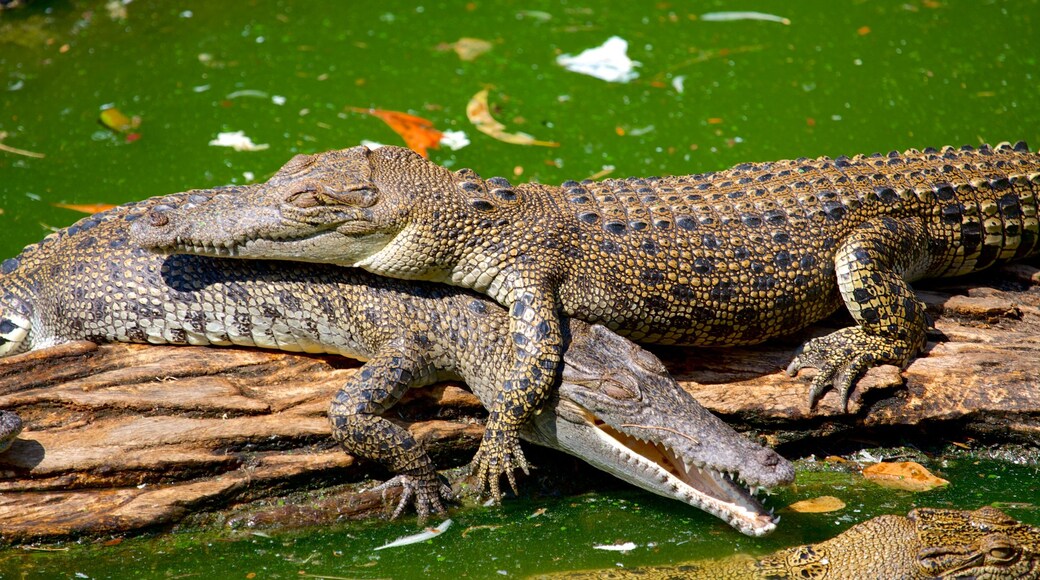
x: 715, y: 259
x: 927, y: 543
x: 616, y: 407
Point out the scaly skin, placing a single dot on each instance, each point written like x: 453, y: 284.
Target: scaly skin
x: 928, y: 543
x: 10, y: 427
x: 616, y: 406
x: 717, y: 259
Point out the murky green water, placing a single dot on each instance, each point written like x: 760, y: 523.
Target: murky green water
x: 842, y: 78
x: 527, y: 536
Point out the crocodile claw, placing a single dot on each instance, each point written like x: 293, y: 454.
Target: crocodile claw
x: 425, y: 493
x: 499, y: 454
x: 843, y: 356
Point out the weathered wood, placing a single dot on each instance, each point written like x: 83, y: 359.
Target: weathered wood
x: 126, y: 437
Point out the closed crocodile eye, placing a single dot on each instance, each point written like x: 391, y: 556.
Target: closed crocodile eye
x: 1002, y: 553
x: 616, y: 390
x: 305, y: 197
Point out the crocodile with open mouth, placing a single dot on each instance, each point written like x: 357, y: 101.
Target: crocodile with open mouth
x: 714, y: 259
x: 616, y: 406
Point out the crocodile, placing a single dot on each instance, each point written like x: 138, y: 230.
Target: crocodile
x: 616, y: 407
x: 10, y: 427
x: 715, y: 259
x: 927, y: 543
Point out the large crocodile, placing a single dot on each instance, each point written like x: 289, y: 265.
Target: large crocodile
x: 616, y: 408
x: 927, y: 543
x: 726, y: 258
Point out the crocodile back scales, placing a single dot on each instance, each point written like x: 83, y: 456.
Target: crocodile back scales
x: 742, y: 255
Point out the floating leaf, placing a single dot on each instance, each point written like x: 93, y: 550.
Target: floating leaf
x: 117, y: 121
x: 416, y: 538
x: 479, y: 114
x: 419, y: 134
x: 906, y: 475
x: 85, y: 207
x: 817, y: 505
x: 469, y: 48
x: 731, y: 16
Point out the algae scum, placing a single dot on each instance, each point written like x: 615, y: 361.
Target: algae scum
x: 108, y: 102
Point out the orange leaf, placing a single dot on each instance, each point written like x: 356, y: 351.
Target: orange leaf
x: 907, y: 475
x: 418, y: 133
x: 817, y: 505
x: 86, y: 207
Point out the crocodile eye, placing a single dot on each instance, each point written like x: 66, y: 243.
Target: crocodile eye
x: 1002, y: 553
x: 304, y: 197
x: 616, y: 390
x: 355, y: 196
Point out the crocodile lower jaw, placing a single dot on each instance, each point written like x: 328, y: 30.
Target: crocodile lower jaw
x: 701, y: 486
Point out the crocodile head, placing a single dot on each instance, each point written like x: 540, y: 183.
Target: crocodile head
x: 15, y: 308
x: 336, y: 207
x: 984, y: 543
x: 636, y: 423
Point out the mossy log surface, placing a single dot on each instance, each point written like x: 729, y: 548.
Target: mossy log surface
x: 121, y: 438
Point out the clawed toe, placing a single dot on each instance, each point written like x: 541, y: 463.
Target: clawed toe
x: 842, y: 357
x: 498, y: 455
x: 425, y: 493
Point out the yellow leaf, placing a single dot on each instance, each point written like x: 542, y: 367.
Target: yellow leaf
x: 114, y: 119
x: 816, y: 505
x: 479, y: 114
x: 906, y: 475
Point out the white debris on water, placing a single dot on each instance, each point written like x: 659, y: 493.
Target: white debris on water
x: 626, y: 547
x: 608, y: 62
x: 731, y: 16
x: 454, y: 140
x: 238, y: 141
x: 420, y: 537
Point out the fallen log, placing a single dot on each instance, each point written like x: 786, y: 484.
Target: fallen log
x: 124, y: 437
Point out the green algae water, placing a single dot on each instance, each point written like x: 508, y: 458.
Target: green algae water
x: 817, y: 78
x: 529, y: 535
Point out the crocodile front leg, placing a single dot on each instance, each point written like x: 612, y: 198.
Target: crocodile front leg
x: 534, y: 326
x: 872, y: 266
x: 357, y: 426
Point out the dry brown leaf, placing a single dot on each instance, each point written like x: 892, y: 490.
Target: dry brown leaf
x: 470, y: 48
x: 419, y: 134
x: 479, y: 114
x: 817, y: 505
x: 906, y: 475
x: 85, y: 207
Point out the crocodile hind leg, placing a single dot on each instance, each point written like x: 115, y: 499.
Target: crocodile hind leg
x: 357, y: 426
x: 873, y: 266
x: 537, y: 339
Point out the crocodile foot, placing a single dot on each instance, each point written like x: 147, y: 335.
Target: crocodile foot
x: 843, y: 356
x: 425, y: 492
x: 499, y: 454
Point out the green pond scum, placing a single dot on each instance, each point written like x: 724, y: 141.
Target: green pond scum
x: 796, y: 79
x: 528, y: 535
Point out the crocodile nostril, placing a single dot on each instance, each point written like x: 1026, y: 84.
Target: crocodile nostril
x: 158, y: 219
